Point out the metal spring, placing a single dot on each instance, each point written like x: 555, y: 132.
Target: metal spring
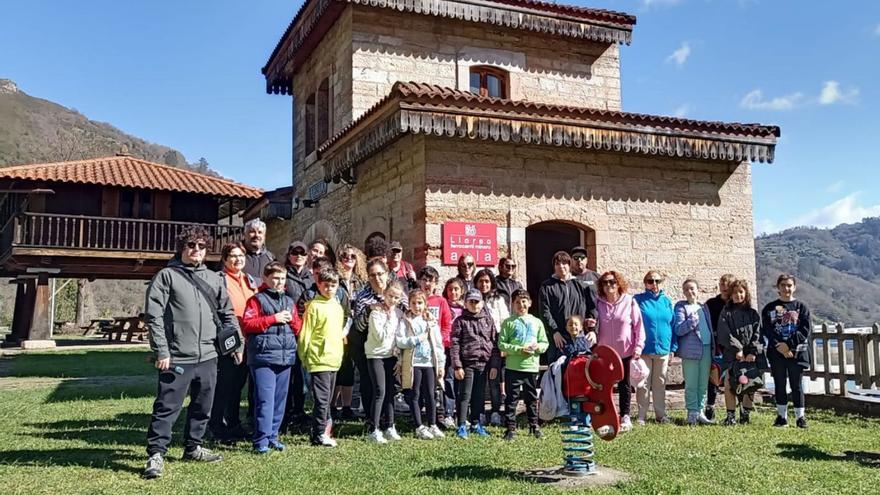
x: 577, y: 441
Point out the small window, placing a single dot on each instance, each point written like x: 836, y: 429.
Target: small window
x: 323, y: 104
x: 145, y: 200
x: 310, y: 124
x: 489, y: 81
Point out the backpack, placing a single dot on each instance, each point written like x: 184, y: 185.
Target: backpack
x: 754, y: 377
x: 552, y: 403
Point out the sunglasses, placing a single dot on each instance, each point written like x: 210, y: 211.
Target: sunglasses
x: 196, y: 245
x: 508, y: 265
x: 610, y: 282
x: 347, y: 256
x: 469, y: 265
x: 653, y: 280
x: 297, y: 252
x: 579, y: 257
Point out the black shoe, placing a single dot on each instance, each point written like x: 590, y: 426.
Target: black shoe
x: 744, y: 416
x: 780, y: 422
x: 201, y: 454
x: 155, y: 465
x: 510, y: 435
x: 237, y: 433
x: 536, y: 432
x: 334, y: 413
x: 709, y: 412
x: 730, y: 420
x: 801, y: 422
x: 348, y: 414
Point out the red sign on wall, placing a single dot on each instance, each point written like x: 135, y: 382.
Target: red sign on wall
x: 480, y: 240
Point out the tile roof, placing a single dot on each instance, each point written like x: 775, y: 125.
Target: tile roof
x: 127, y: 171
x: 315, y: 17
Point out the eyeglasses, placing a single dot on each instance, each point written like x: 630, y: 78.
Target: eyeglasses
x: 579, y: 257
x: 376, y: 274
x: 609, y: 282
x: 297, y: 252
x: 196, y: 245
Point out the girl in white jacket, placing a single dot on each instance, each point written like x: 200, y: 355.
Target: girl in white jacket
x: 380, y: 349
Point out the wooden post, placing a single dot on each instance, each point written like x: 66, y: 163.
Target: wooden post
x: 826, y: 359
x: 841, y: 359
x: 875, y: 340
x: 40, y: 333
x: 21, y: 315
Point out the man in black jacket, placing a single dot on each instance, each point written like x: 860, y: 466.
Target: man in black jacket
x: 505, y: 281
x: 559, y: 297
x: 182, y: 329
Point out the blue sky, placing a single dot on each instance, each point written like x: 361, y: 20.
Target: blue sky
x: 186, y: 75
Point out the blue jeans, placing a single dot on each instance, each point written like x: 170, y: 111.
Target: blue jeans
x: 270, y: 396
x: 696, y: 380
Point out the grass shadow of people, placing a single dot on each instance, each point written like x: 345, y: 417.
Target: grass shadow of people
x: 91, y: 457
x: 471, y: 472
x: 803, y: 452
x: 124, y: 429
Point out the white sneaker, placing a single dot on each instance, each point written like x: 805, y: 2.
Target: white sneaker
x: 376, y: 437
x: 436, y: 432
x: 326, y: 441
x: 692, y: 418
x: 625, y: 423
x: 391, y: 434
x: 449, y: 423
x: 424, y: 433
x: 703, y: 420
x: 495, y: 419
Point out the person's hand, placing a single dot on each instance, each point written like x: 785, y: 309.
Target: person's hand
x: 739, y: 356
x: 637, y: 355
x: 283, y: 316
x: 590, y: 323
x: 493, y: 373
x: 559, y: 340
x: 591, y: 338
x: 344, y: 340
x: 789, y: 355
x: 750, y: 358
x: 236, y: 358
x: 397, y: 368
x: 528, y: 349
x: 783, y: 349
x: 459, y: 374
x: 423, y: 338
x: 163, y: 364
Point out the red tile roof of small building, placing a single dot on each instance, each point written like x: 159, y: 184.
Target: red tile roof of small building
x: 127, y: 171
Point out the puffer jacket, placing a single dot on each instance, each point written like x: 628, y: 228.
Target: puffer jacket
x: 179, y: 320
x: 268, y: 341
x: 474, y: 341
x: 415, y: 352
x: 739, y: 330
x: 687, y: 328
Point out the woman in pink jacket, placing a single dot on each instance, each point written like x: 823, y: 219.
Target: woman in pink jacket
x: 620, y: 327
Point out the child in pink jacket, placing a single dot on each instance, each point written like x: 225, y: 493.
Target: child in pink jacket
x: 620, y: 327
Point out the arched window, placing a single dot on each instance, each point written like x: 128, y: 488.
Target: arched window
x: 489, y: 81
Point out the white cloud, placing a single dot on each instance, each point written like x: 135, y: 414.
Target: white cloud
x: 681, y: 110
x: 754, y: 100
x: 836, y: 187
x: 831, y: 94
x: 680, y: 55
x: 843, y: 210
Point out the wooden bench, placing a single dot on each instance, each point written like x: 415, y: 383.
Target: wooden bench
x: 131, y: 326
x: 97, y: 324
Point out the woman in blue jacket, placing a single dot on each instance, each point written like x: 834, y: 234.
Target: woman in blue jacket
x: 695, y: 344
x: 660, y: 342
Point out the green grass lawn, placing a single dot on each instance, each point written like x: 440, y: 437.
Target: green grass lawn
x: 91, y: 440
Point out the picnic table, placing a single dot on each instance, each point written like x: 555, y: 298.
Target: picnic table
x: 114, y: 328
x: 97, y: 324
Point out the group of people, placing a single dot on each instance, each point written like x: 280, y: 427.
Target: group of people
x: 329, y: 319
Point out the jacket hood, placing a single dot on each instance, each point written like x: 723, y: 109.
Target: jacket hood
x: 175, y: 262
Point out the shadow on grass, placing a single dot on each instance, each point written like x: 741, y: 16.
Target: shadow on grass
x: 471, y: 472
x: 103, y: 388
x: 801, y: 452
x: 124, y: 429
x: 78, y: 364
x: 93, y: 458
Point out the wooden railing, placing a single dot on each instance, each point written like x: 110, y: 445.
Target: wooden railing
x: 46, y: 230
x: 844, y: 355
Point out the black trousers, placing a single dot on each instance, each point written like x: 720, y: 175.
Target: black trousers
x: 470, y: 395
x: 623, y: 390
x: 382, y: 377
x: 788, y: 370
x: 225, y: 412
x: 527, y: 382
x: 423, y: 386
x: 198, y: 380
x: 296, y: 397
x: 345, y: 375
x: 323, y: 383
x: 711, y: 394
x: 365, y: 385
x: 495, y: 390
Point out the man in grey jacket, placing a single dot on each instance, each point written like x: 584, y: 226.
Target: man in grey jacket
x: 182, y: 329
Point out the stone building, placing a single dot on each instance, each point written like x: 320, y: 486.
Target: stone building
x: 411, y: 113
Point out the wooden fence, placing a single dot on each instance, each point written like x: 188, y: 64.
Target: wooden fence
x: 844, y: 355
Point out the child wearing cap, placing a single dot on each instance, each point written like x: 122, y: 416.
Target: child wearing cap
x: 474, y: 353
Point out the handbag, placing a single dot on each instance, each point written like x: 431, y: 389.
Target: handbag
x: 228, y: 338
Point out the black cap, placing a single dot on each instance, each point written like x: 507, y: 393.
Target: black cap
x: 579, y: 249
x: 297, y: 244
x: 395, y: 246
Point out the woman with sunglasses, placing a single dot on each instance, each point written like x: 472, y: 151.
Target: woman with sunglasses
x: 620, y: 327
x: 299, y: 280
x: 352, y: 278
x: 466, y: 268
x: 657, y: 316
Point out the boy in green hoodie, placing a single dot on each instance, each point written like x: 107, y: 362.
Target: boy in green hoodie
x: 522, y: 340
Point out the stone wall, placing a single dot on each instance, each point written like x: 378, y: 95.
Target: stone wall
x: 684, y: 217
x: 390, y: 46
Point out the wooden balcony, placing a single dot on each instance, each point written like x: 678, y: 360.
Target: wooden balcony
x: 96, y: 247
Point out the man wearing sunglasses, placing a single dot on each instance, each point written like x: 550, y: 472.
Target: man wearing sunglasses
x: 505, y: 281
x: 581, y: 272
x: 182, y: 325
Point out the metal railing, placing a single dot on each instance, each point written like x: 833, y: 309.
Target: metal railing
x: 46, y: 230
x: 846, y: 355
